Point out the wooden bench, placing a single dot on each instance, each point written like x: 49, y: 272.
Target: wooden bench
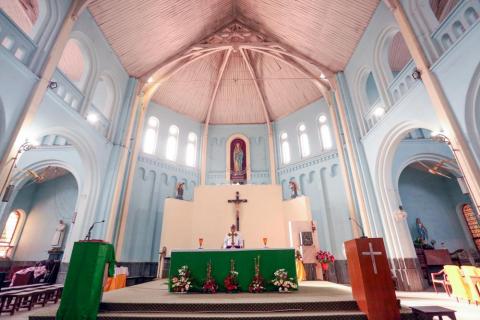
x: 428, y: 312
x: 15, y: 300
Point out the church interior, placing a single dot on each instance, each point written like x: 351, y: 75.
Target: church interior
x: 156, y: 147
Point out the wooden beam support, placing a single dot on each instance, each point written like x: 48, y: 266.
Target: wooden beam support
x: 273, y: 167
x: 203, y: 171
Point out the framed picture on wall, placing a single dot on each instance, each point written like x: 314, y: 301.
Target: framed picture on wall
x: 306, y: 238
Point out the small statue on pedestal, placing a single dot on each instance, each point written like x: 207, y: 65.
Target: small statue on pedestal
x: 421, y: 231
x: 294, y: 189
x: 57, y: 240
x: 180, y: 188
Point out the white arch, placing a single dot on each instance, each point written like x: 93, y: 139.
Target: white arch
x: 90, y: 59
x: 381, y: 69
x: 472, y: 113
x: 89, y: 181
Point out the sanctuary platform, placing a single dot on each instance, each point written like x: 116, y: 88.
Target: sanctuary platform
x: 314, y: 300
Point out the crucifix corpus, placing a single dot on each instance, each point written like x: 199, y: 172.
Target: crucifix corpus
x: 236, y: 202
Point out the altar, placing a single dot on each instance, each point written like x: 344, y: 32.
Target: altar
x: 270, y: 261
x: 209, y: 216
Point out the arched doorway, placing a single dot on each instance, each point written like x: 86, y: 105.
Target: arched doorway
x: 430, y: 187
x: 48, y: 195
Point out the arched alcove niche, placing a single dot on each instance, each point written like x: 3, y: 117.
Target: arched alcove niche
x: 407, y: 143
x: 65, y: 148
x: 46, y: 195
x: 78, y: 62
x: 228, y: 147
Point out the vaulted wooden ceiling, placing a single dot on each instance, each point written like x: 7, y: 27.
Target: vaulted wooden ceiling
x: 151, y: 38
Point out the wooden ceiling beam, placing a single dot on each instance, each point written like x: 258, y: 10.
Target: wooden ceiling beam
x: 192, y: 51
x: 226, y: 57
x: 294, y: 64
x: 246, y: 58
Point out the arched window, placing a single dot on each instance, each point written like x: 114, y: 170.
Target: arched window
x: 304, y: 143
x: 172, y: 143
x: 9, y: 232
x: 325, y: 135
x: 103, y: 96
x: 151, y: 136
x: 398, y: 54
x: 372, y: 90
x: 191, y: 154
x: 25, y: 14
x: 285, y: 148
x: 442, y: 8
x: 74, y: 63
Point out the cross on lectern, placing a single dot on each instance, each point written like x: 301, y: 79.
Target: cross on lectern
x: 237, y: 202
x: 372, y: 255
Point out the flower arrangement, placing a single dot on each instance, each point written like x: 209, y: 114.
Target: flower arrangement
x: 283, y: 282
x: 257, y: 285
x: 325, y: 258
x: 209, y: 286
x: 183, y: 282
x: 231, y: 281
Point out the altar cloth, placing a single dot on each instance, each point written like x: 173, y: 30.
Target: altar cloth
x: 270, y: 261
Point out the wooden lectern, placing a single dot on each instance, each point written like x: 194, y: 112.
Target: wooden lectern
x: 371, y: 279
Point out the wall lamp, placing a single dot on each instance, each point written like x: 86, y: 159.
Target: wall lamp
x: 53, y: 85
x: 7, y: 189
x: 416, y: 74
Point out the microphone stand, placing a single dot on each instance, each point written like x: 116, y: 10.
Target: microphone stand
x: 89, y: 234
x: 360, y: 227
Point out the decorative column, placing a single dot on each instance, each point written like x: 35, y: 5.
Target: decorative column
x: 32, y: 104
x: 353, y: 161
x: 143, y: 102
x: 343, y: 165
x: 123, y: 165
x: 441, y: 105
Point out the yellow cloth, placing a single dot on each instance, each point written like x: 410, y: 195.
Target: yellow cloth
x: 301, y: 274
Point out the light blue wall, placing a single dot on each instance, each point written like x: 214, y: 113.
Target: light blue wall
x: 155, y: 180
x: 50, y: 201
x: 217, y: 152
x: 317, y: 175
x: 436, y: 201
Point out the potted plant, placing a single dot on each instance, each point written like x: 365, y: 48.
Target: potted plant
x: 257, y: 285
x: 209, y: 286
x: 231, y: 281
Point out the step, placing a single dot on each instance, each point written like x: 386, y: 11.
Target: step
x: 319, y: 306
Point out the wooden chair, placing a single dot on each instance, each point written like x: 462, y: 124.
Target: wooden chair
x: 460, y: 289
x: 440, y: 278
x: 472, y: 275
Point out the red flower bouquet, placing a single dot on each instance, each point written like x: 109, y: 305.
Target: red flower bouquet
x: 209, y: 286
x: 231, y: 281
x: 257, y: 285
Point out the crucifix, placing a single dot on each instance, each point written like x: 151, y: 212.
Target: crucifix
x: 372, y: 255
x: 236, y: 202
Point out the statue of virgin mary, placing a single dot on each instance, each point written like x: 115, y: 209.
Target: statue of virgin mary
x: 237, y: 158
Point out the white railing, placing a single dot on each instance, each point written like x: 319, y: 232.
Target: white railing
x: 402, y: 82
x: 463, y: 17
x: 67, y: 91
x: 372, y: 117
x: 15, y: 40
x: 102, y: 123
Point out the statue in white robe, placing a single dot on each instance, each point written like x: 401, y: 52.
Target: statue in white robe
x: 233, y: 239
x: 57, y: 240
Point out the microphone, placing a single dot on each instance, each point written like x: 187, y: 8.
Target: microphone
x: 360, y: 226
x: 87, y: 237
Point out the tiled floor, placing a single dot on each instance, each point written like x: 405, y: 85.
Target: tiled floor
x: 155, y: 291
